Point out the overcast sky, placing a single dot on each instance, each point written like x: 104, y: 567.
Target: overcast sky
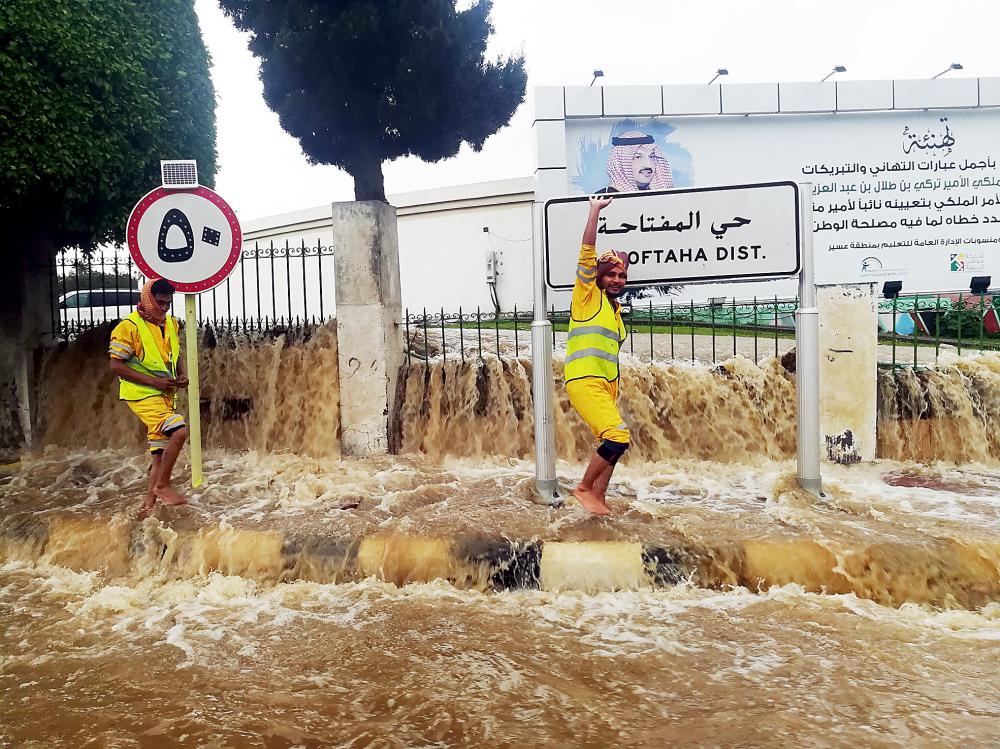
x: 262, y: 170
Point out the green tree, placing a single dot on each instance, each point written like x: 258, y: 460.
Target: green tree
x: 965, y: 319
x: 359, y: 82
x: 93, y: 93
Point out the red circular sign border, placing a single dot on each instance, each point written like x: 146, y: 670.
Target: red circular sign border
x: 195, y: 287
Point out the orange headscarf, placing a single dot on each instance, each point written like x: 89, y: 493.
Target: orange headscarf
x: 611, y: 258
x: 147, y: 308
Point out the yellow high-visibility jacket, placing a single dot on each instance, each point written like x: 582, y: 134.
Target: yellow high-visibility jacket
x: 596, y: 330
x: 152, y: 362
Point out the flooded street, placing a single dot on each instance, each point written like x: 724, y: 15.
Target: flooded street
x: 224, y: 633
x: 421, y: 599
x: 222, y: 661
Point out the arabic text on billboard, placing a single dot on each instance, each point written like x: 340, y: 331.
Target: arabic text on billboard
x: 913, y: 196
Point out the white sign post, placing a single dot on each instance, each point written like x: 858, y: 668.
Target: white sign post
x: 190, y: 237
x: 729, y: 233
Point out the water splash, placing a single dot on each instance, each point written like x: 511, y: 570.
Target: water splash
x: 258, y: 392
x: 280, y: 393
x: 949, y: 413
x: 736, y: 411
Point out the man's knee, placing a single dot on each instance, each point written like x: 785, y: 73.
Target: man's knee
x: 179, y: 434
x: 611, y: 451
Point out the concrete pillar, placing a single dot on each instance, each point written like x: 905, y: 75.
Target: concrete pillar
x: 848, y: 376
x: 369, y: 338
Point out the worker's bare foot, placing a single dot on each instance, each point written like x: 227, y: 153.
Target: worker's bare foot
x: 146, y: 507
x: 169, y: 496
x: 591, y: 502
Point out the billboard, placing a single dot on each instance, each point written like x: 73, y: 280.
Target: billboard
x: 911, y: 196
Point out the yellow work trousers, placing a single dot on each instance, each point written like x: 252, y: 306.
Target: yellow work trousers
x: 596, y: 400
x: 157, y: 413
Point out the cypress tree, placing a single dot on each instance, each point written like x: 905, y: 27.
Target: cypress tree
x: 360, y: 82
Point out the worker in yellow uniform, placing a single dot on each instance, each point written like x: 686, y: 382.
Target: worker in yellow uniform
x: 145, y: 355
x: 596, y: 332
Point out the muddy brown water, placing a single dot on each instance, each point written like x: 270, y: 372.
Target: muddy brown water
x: 266, y: 615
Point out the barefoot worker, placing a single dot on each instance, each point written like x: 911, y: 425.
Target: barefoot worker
x: 145, y: 354
x: 596, y: 333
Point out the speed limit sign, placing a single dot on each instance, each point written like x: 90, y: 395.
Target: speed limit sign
x: 190, y: 237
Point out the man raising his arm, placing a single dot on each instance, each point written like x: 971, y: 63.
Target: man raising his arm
x: 596, y: 332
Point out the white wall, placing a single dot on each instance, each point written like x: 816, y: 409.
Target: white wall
x: 442, y: 257
x: 288, y: 286
x: 442, y: 252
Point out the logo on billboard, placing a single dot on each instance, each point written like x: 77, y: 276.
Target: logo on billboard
x: 873, y: 267
x: 963, y: 262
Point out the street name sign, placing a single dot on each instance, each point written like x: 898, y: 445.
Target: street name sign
x: 699, y: 235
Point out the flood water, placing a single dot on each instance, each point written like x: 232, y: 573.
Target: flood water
x: 422, y: 600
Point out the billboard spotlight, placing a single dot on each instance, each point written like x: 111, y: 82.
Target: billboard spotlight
x: 891, y: 289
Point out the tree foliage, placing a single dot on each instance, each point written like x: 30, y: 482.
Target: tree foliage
x: 359, y: 82
x: 964, y: 320
x: 93, y: 93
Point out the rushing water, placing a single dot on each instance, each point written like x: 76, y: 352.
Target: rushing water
x: 273, y: 393
x: 422, y: 600
x: 950, y: 413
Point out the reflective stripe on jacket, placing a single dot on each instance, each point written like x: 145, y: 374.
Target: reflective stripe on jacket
x: 592, y: 349
x: 152, y: 363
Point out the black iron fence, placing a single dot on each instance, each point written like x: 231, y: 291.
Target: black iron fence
x: 279, y: 286
x: 697, y: 331
x: 917, y: 325
x: 913, y: 330
x: 272, y: 286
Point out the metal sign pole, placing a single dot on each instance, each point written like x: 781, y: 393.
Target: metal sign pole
x: 542, y: 386
x: 807, y: 356
x: 181, y: 203
x: 194, y: 387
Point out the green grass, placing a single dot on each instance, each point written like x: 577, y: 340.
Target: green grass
x: 639, y: 329
x: 903, y: 343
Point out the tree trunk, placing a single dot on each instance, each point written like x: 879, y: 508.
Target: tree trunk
x: 26, y: 315
x: 369, y: 184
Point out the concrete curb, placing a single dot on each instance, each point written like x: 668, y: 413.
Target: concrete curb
x: 941, y: 572
x: 123, y: 549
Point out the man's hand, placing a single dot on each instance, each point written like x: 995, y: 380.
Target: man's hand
x: 599, y: 202
x: 182, y: 381
x: 165, y: 384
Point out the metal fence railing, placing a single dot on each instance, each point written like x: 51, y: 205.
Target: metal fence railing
x: 696, y: 331
x: 278, y: 287
x: 915, y: 325
x: 913, y: 330
x: 271, y: 287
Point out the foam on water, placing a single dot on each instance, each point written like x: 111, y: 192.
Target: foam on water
x: 416, y: 520
x: 429, y: 662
